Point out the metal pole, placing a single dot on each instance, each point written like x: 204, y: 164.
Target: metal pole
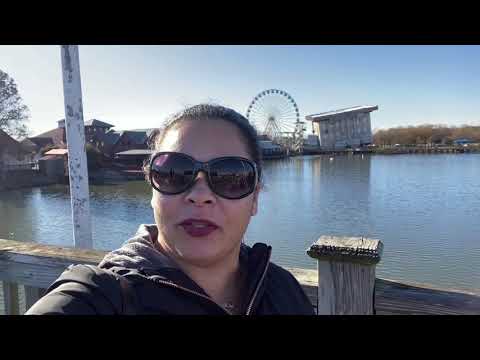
x: 77, y: 158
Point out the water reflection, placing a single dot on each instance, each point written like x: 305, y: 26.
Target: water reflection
x: 15, y: 206
x: 307, y: 197
x: 341, y: 196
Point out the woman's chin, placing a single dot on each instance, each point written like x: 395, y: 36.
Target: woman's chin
x: 201, y: 254
x: 199, y: 258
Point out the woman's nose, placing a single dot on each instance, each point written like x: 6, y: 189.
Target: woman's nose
x: 200, y: 193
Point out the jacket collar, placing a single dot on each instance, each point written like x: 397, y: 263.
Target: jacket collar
x: 139, y: 255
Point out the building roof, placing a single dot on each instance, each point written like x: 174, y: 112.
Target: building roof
x: 148, y: 131
x: 50, y: 157
x: 57, y: 152
x: 111, y: 137
x: 54, y: 137
x: 95, y: 122
x: 136, y: 152
x: 137, y: 137
x: 355, y: 109
x: 8, y: 142
x: 27, y: 143
x: 41, y: 142
x: 92, y: 122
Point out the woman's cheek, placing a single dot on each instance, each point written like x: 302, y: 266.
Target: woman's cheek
x: 165, y: 207
x: 239, y: 215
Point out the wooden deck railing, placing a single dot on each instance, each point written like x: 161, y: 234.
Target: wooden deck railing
x: 28, y: 268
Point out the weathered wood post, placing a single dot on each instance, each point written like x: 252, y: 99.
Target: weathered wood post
x: 32, y: 294
x: 10, y: 298
x: 77, y: 158
x: 346, y: 274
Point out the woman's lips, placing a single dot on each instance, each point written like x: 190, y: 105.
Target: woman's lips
x: 198, y: 227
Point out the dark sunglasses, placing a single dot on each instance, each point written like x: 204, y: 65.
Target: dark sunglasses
x: 230, y: 177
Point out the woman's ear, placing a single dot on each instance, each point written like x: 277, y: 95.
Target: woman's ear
x: 152, y: 201
x: 255, y: 200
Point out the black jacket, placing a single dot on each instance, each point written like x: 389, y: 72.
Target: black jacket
x: 138, y: 279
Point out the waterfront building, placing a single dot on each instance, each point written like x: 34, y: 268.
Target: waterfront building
x: 463, y: 141
x: 55, y: 138
x: 95, y: 131
x: 12, y: 153
x: 311, y: 145
x: 54, y: 163
x: 132, y: 159
x: 271, y: 150
x: 343, y: 128
x: 99, y: 134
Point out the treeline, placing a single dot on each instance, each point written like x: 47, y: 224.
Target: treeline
x: 425, y: 135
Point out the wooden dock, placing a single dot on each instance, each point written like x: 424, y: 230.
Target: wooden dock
x: 27, y: 267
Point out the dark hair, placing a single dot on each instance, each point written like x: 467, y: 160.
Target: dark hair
x: 203, y: 112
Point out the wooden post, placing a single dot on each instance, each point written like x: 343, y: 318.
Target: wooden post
x: 77, y: 158
x: 346, y: 274
x: 10, y: 298
x: 32, y: 295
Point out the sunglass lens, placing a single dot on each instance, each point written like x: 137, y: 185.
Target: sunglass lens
x: 232, y: 178
x: 172, y: 173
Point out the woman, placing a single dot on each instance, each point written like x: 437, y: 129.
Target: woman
x: 206, y: 177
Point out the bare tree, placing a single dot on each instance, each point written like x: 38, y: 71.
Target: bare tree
x: 13, y: 113
x: 425, y: 134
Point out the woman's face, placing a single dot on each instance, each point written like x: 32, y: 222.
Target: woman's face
x: 203, y: 140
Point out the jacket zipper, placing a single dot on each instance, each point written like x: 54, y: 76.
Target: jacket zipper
x: 191, y: 292
x: 249, y: 308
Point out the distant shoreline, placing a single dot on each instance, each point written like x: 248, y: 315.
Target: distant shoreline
x: 400, y: 150
x: 395, y: 150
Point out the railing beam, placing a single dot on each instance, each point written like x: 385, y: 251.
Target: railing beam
x: 38, y: 265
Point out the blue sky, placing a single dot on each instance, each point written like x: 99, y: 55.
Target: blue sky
x: 139, y: 86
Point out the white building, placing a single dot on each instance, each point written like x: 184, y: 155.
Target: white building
x: 343, y: 128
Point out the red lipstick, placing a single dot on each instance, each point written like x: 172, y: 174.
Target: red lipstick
x: 198, y: 227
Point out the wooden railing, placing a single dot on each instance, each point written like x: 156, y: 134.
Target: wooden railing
x: 26, y: 269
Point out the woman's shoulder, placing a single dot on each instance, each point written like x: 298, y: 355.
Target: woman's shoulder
x: 280, y: 274
x: 285, y: 291
x: 81, y: 289
x: 258, y: 256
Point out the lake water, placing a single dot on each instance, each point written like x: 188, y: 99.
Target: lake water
x: 425, y: 209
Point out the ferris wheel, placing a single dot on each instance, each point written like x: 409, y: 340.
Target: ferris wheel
x: 275, y: 114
